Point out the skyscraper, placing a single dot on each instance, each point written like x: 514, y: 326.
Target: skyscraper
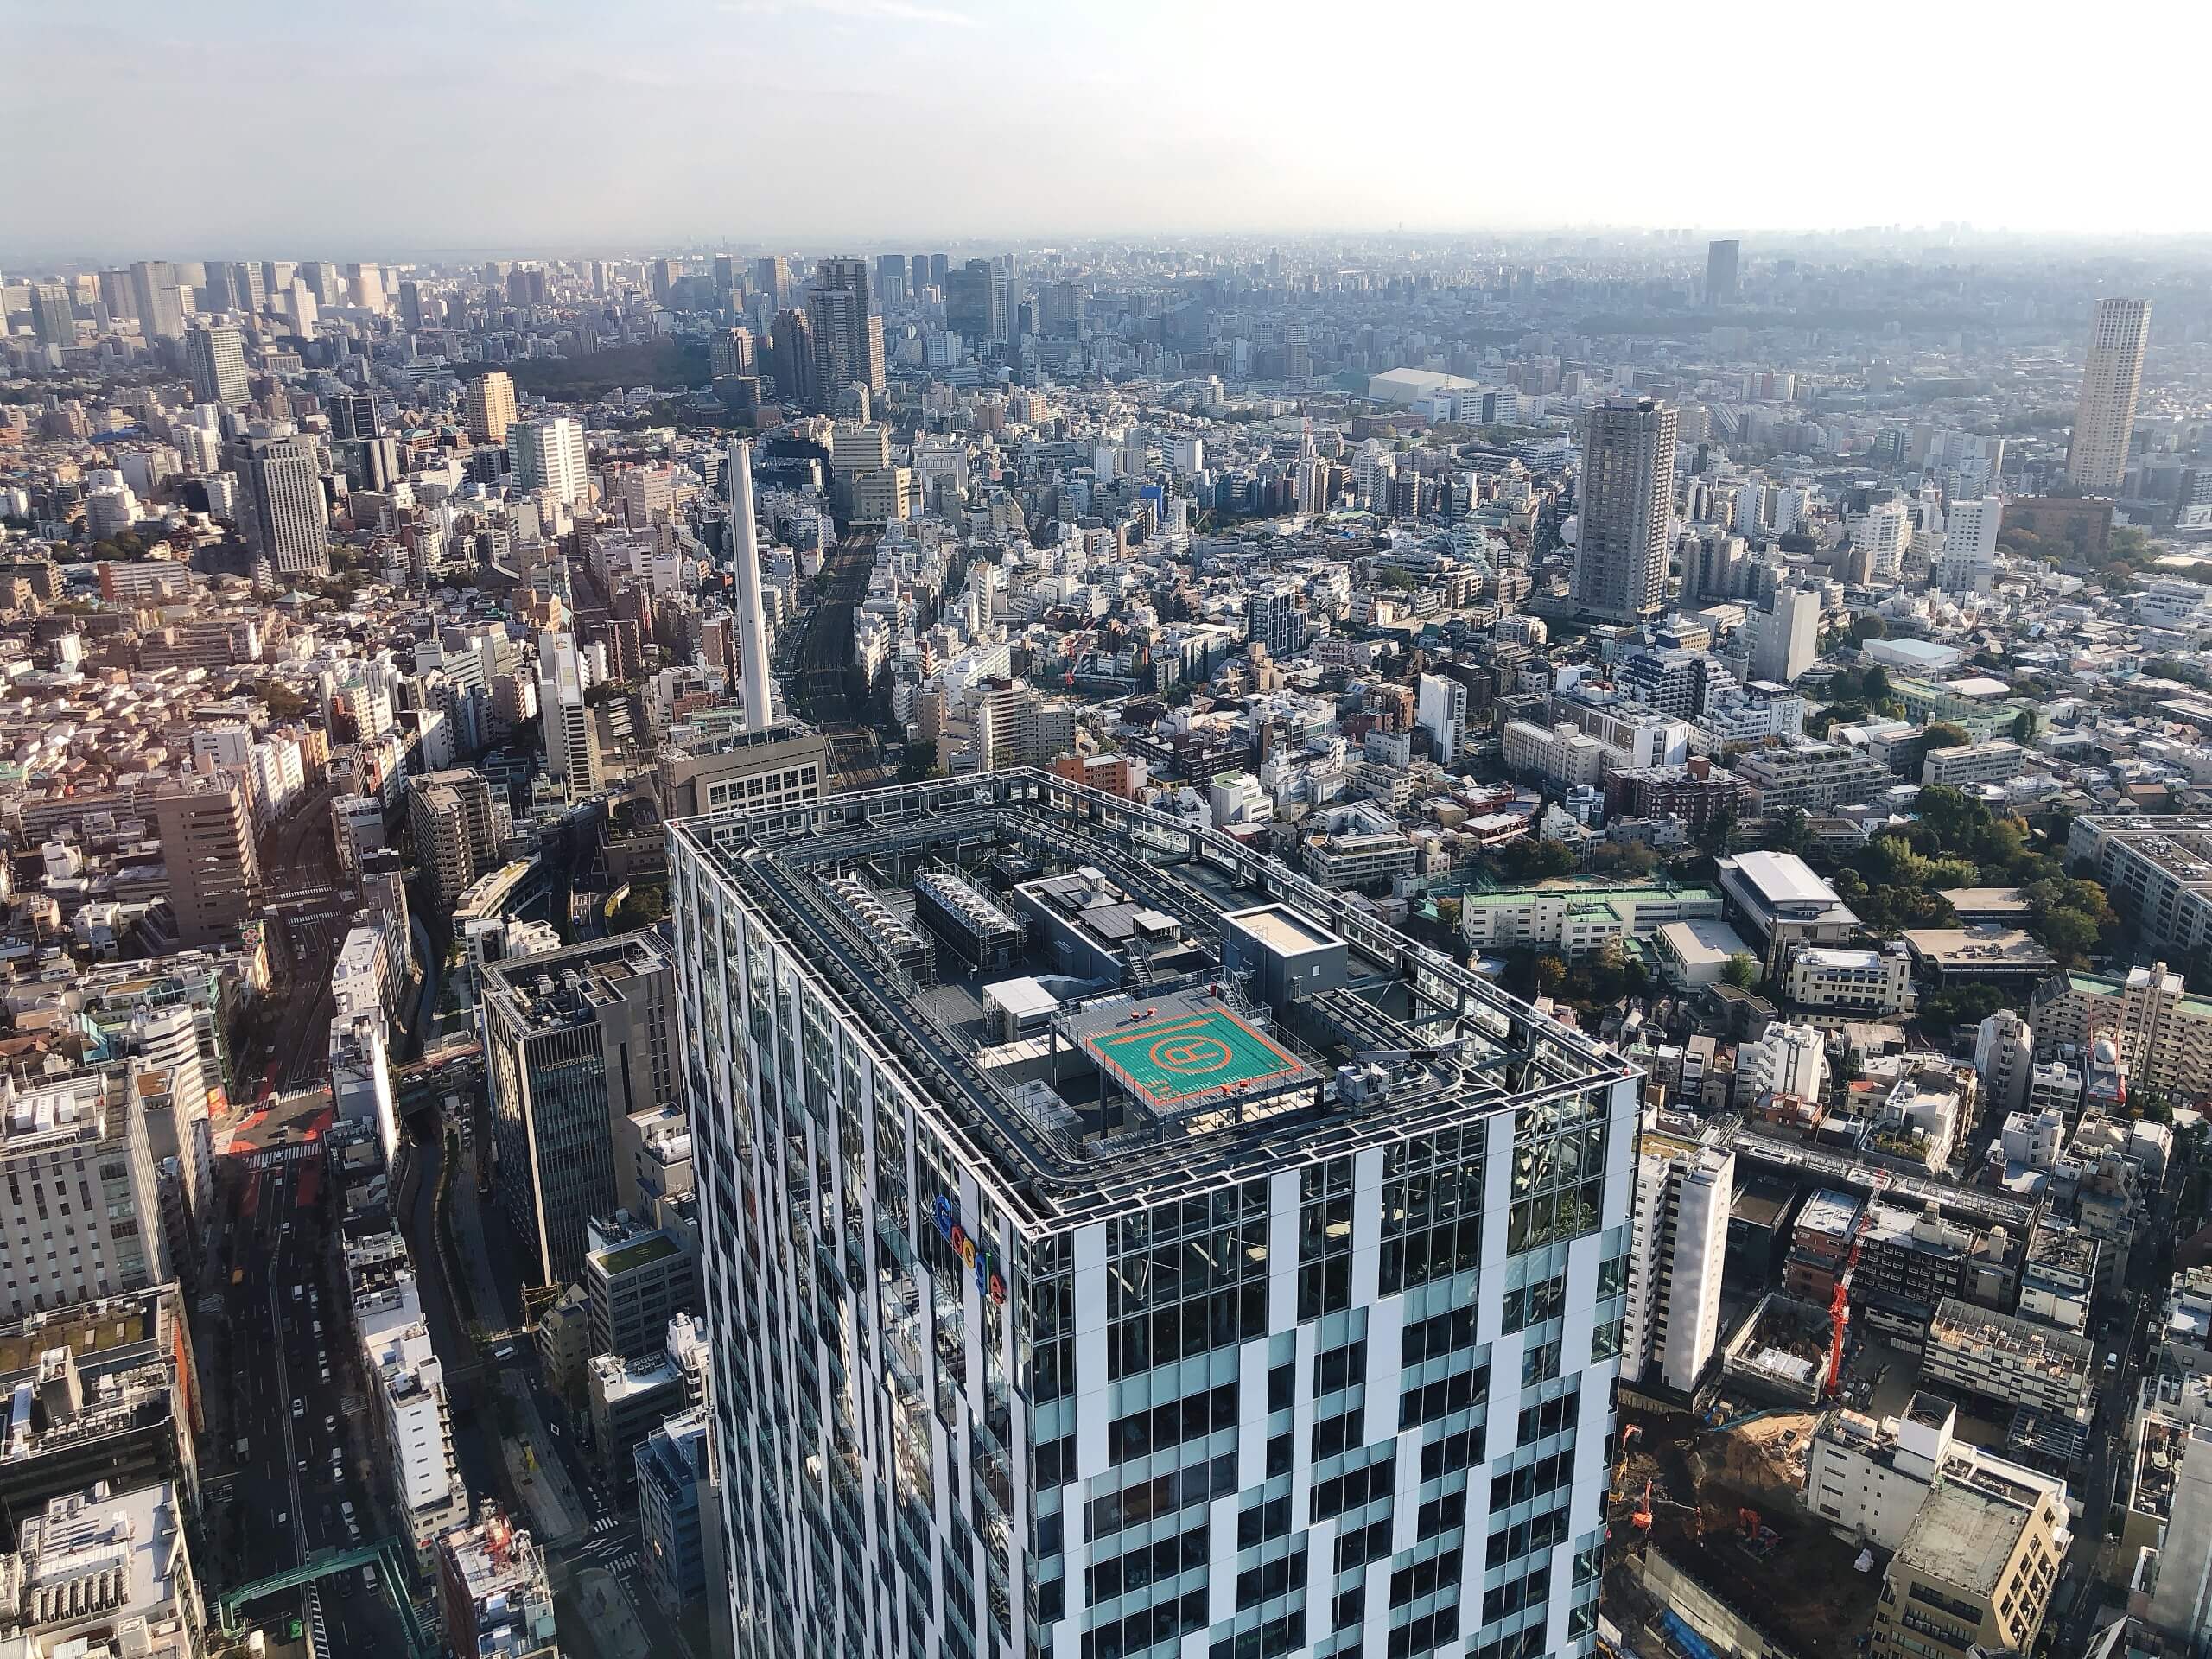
x: 281, y: 507
x: 1627, y: 497
x: 890, y: 277
x: 53, y: 319
x: 752, y: 626
x: 1787, y: 636
x: 920, y: 267
x: 491, y: 407
x: 772, y: 274
x: 160, y: 307
x: 795, y: 379
x: 548, y: 455
x: 354, y: 415
x: 971, y: 302
x: 847, y: 337
x: 214, y: 357
x: 1200, y: 1295
x: 410, y: 306
x: 1720, y: 286
x: 2096, y: 455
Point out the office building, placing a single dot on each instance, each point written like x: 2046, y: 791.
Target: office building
x: 974, y: 306
x: 1834, y: 980
x: 2112, y: 378
x: 1975, y: 1573
x: 214, y: 359
x: 1869, y: 1478
x: 353, y: 416
x: 204, y: 824
x: 493, y: 1592
x: 1626, y: 498
x: 1157, y: 1283
x: 105, y: 1572
x: 282, y: 508
x: 676, y: 1508
x: 573, y: 1040
x: 490, y: 405
x: 636, y: 1278
x: 752, y: 619
x: 548, y: 455
x: 78, y: 1143
x: 632, y: 1398
x: 1684, y: 1193
x: 704, y: 769
x: 1721, y: 272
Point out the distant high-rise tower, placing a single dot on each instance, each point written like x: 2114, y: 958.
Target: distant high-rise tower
x: 793, y: 335
x: 491, y: 407
x: 2096, y: 455
x: 160, y: 305
x: 215, y: 360
x: 847, y: 337
x: 752, y: 625
x: 772, y: 276
x: 1627, y: 497
x: 1721, y: 272
x: 281, y: 508
x: 920, y: 266
x: 890, y: 277
x: 53, y: 319
x: 972, y: 298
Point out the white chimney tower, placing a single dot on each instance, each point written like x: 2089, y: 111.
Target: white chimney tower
x: 751, y: 626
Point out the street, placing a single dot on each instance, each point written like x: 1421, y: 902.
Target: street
x: 294, y: 1417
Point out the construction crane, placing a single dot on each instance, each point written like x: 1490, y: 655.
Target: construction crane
x: 1620, y: 1464
x: 1839, y: 1301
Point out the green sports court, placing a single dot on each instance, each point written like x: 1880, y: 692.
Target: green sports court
x: 1186, y: 1051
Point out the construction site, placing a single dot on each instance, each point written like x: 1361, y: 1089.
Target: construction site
x: 1706, y: 1533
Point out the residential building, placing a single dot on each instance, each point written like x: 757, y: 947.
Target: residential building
x: 548, y: 455
x: 2161, y: 1034
x: 214, y: 359
x: 1683, y: 1191
x: 1811, y: 777
x: 1975, y: 1570
x: 1019, y: 1268
x: 1626, y: 499
x: 490, y: 406
x: 413, y: 1415
x: 2112, y: 378
x: 572, y: 763
x: 462, y: 828
x: 2162, y: 866
x: 2010, y: 1362
x: 573, y: 1038
x: 1972, y: 762
x: 1358, y: 860
x: 493, y: 1592
x: 204, y: 824
x: 1786, y: 636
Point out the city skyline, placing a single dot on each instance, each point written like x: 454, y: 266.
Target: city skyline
x: 1124, y: 142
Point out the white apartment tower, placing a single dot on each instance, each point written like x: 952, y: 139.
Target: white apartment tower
x: 548, y: 455
x: 1968, y: 563
x: 752, y: 622
x: 1886, y: 532
x: 2111, y: 378
x: 1627, y: 501
x: 1683, y: 1191
x: 1226, y: 1350
x: 571, y: 744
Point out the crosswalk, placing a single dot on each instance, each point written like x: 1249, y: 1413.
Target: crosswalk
x: 623, y: 1562
x: 319, y: 1637
x: 605, y: 1524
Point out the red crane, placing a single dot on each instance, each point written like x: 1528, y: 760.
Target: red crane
x: 1839, y: 1302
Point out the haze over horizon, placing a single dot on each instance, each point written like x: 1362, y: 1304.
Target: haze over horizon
x: 518, y: 125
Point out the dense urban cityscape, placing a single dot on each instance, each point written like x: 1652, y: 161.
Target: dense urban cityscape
x: 1384, y: 944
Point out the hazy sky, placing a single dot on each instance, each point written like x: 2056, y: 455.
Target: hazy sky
x: 309, y: 128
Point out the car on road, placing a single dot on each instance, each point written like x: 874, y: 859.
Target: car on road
x: 295, y: 1292
x: 299, y: 1408
x: 330, y: 1423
